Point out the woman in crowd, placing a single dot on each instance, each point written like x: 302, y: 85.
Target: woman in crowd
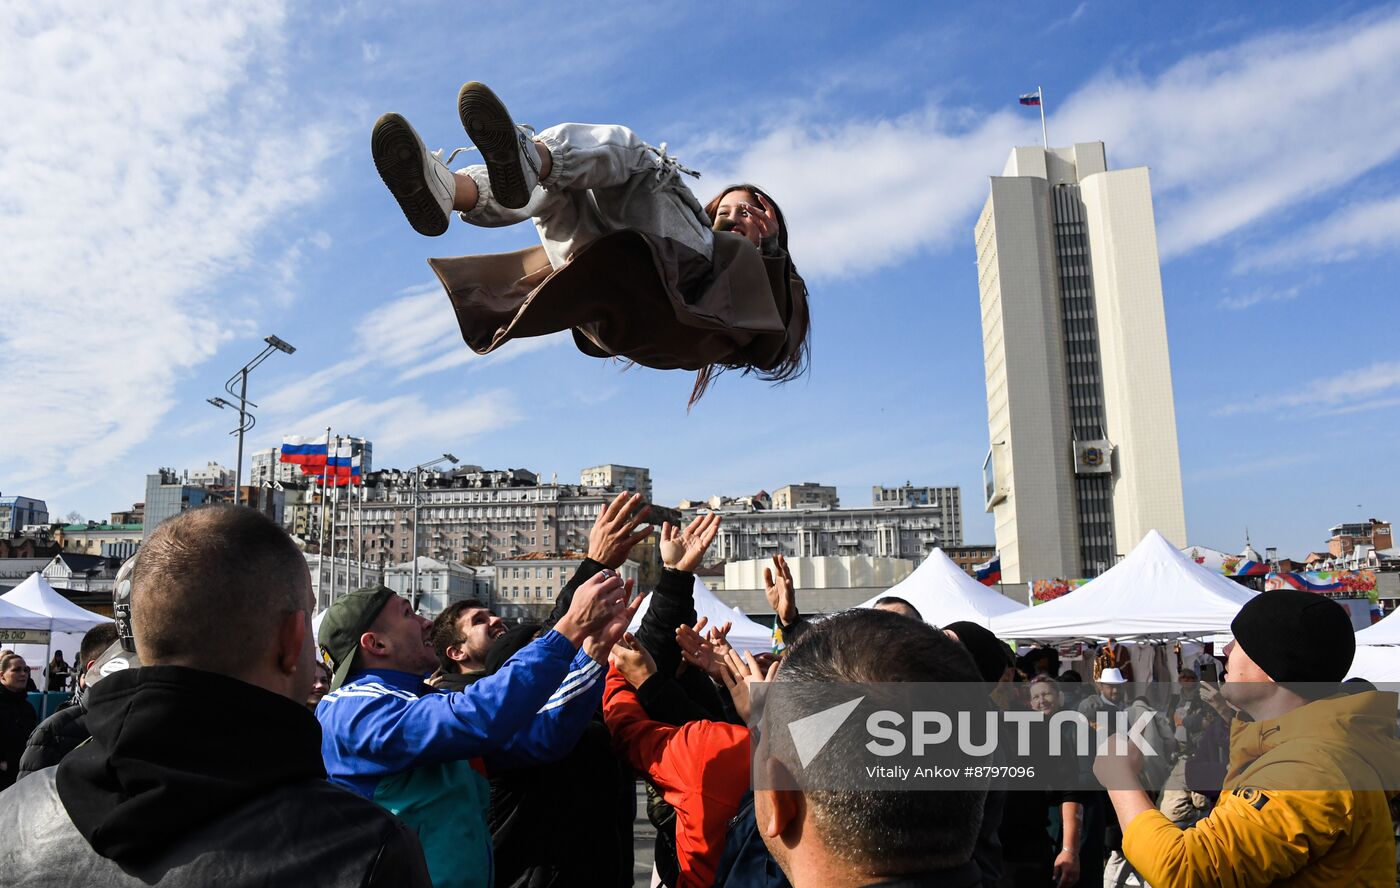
x: 17, y: 717
x: 629, y: 260
x: 321, y: 686
x: 59, y: 671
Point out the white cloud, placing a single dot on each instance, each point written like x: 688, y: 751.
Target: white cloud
x: 415, y: 334
x: 126, y: 198
x: 1258, y: 297
x: 1232, y: 138
x: 403, y: 421
x: 1366, y: 227
x: 1236, y: 135
x: 1365, y: 388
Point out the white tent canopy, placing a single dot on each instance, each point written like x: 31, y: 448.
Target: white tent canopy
x: 35, y: 594
x: 1386, y: 631
x: 12, y: 616
x: 1378, y: 652
x: 746, y: 635
x: 944, y: 593
x: 1376, y: 663
x: 1155, y: 592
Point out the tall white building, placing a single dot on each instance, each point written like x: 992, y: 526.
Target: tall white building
x: 1083, y: 458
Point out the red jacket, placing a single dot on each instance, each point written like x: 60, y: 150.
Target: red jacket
x: 701, y: 768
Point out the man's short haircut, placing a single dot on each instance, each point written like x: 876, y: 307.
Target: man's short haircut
x: 97, y: 640
x: 211, y: 586
x: 895, y: 600
x: 446, y: 632
x: 889, y: 831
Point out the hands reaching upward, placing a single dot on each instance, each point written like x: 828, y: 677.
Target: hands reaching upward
x: 684, y: 550
x: 777, y: 581
x: 632, y: 660
x: 618, y: 528
x: 739, y: 674
x: 705, y: 652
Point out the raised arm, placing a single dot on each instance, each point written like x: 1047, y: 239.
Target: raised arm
x: 616, y: 530
x: 673, y: 604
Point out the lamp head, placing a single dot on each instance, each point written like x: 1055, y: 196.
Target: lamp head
x: 279, y: 344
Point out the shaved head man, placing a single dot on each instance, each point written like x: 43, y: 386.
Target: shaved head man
x: 204, y: 765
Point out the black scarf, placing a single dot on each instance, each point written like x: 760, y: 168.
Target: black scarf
x: 173, y: 749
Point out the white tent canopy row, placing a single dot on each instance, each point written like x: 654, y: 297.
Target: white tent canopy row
x: 34, y: 604
x: 746, y: 634
x: 943, y: 593
x: 1155, y: 593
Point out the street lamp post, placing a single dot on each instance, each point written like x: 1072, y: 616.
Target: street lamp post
x: 246, y: 420
x: 417, y: 474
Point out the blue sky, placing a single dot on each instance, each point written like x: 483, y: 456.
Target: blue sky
x: 178, y: 181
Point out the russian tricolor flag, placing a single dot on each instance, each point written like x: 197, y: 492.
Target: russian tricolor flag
x: 298, y: 450
x: 340, y: 467
x: 1030, y: 99
x: 989, y: 572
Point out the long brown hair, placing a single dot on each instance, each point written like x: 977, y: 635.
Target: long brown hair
x: 799, y: 324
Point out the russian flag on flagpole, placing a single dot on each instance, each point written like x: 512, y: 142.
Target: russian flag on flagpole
x: 989, y: 572
x: 298, y: 450
x: 1030, y: 98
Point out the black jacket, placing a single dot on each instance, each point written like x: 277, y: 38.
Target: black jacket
x: 193, y: 778
x: 17, y: 721
x: 56, y: 736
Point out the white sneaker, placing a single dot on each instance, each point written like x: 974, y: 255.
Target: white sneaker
x: 417, y: 177
x: 508, y: 150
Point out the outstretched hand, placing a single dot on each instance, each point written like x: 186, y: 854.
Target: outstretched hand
x: 777, y: 581
x: 601, y: 642
x: 633, y: 660
x: 617, y: 529
x: 684, y: 550
x: 739, y: 674
x: 595, y: 605
x: 703, y: 651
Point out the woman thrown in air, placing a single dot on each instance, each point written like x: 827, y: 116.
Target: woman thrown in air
x: 628, y: 258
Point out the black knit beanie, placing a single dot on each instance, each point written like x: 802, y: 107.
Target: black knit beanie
x: 1296, y: 636
x: 991, y: 655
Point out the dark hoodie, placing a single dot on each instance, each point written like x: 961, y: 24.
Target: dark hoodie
x: 192, y: 778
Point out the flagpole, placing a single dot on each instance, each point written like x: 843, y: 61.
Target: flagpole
x: 360, y: 524
x: 349, y: 505
x: 1044, y: 133
x: 321, y: 527
x: 335, y: 505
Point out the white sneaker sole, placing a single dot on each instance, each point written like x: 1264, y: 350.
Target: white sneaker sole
x: 405, y: 165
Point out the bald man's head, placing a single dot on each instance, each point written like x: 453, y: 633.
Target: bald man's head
x: 211, y: 588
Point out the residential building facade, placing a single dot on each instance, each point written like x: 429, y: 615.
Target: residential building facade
x: 892, y: 531
x: 633, y: 479
x: 212, y: 475
x: 469, y: 515
x: 82, y: 573
x: 805, y: 495
x: 1347, y: 536
x: 92, y: 538
x: 527, y: 586
x: 167, y: 495
x: 18, y: 511
x: 1083, y: 457
x: 440, y: 583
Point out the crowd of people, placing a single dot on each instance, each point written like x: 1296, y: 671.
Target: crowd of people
x: 466, y: 751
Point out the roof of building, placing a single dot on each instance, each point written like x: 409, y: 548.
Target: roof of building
x: 82, y: 563
x: 94, y: 525
x: 547, y: 556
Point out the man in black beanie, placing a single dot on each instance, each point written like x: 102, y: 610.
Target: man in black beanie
x: 1305, y: 798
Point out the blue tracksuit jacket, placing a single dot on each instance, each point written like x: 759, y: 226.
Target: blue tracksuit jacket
x: 422, y: 753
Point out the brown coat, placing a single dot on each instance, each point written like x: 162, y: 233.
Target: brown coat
x: 649, y: 300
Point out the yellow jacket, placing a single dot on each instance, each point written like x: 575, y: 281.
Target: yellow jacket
x: 1286, y: 816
